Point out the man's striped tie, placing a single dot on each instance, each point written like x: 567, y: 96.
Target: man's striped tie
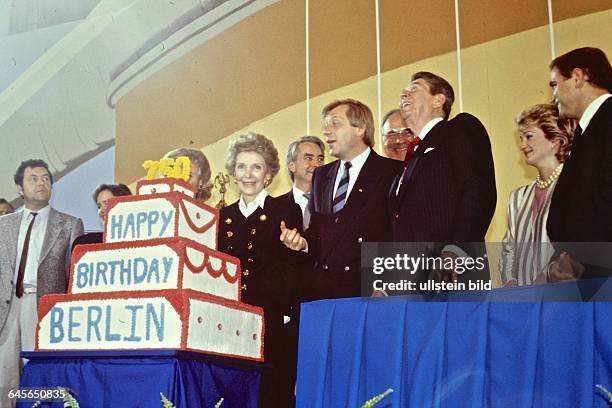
x: 340, y: 197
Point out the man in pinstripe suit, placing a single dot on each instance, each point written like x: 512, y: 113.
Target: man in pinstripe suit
x: 446, y: 192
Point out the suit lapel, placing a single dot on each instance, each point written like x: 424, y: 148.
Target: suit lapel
x: 363, y: 184
x: 54, y: 229
x: 13, y: 236
x: 330, y: 178
x: 430, y: 141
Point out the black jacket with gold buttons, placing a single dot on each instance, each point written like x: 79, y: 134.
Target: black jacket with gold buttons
x: 267, y: 272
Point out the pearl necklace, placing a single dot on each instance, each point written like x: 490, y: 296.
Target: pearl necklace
x: 542, y: 184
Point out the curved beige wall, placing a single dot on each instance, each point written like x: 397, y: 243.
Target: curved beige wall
x: 500, y: 78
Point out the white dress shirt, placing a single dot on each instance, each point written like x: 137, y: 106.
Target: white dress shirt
x: 428, y: 126
x: 37, y: 238
x: 590, y: 111
x: 298, y: 197
x: 250, y: 208
x: 356, y: 166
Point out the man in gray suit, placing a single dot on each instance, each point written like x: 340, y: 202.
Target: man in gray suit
x: 34, y: 261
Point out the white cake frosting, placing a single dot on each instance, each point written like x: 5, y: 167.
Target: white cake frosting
x: 157, y: 281
x: 111, y: 324
x: 163, y: 186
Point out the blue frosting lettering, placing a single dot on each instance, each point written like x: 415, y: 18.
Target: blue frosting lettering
x: 116, y: 222
x: 101, y: 268
x: 129, y: 224
x: 166, y: 218
x: 153, y: 218
x: 158, y: 321
x: 141, y: 218
x: 139, y: 278
x: 132, y: 336
x: 123, y: 272
x: 126, y: 273
x: 82, y: 272
x: 140, y: 225
x: 108, y: 336
x: 167, y: 267
x: 153, y: 268
x: 73, y: 322
x: 93, y: 323
x: 56, y: 328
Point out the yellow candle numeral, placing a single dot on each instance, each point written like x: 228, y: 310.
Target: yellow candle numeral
x: 182, y: 168
x: 176, y: 168
x: 151, y: 167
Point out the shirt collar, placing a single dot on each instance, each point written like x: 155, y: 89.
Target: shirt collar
x: 257, y: 202
x: 428, y: 126
x: 298, y: 194
x: 358, y: 161
x: 590, y: 111
x: 43, y: 213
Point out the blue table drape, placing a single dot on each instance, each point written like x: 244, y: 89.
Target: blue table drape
x: 135, y: 379
x: 513, y: 349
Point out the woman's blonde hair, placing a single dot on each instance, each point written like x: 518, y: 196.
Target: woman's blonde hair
x: 546, y: 117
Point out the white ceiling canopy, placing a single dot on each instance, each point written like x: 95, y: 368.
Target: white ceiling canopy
x: 60, y: 108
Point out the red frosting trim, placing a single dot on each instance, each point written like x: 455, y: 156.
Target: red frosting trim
x: 168, y: 181
x: 215, y: 273
x: 192, y: 225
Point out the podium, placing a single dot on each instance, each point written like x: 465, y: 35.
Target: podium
x: 136, y: 378
x: 536, y: 346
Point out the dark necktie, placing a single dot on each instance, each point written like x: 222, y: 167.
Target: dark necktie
x: 24, y: 258
x: 412, y: 146
x: 306, y: 217
x: 340, y: 197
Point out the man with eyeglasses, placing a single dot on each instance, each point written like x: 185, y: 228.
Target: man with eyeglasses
x: 396, y: 135
x: 34, y: 261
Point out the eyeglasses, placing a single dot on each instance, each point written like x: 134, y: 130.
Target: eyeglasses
x: 398, y: 132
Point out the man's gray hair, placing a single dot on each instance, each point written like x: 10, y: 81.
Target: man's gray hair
x: 292, y: 150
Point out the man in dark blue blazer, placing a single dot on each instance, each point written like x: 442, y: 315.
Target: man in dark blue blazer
x: 581, y: 205
x: 445, y: 194
x: 349, y: 201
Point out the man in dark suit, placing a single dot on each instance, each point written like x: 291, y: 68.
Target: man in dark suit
x: 34, y: 261
x: 348, y: 203
x: 446, y: 193
x: 581, y: 205
x: 303, y: 157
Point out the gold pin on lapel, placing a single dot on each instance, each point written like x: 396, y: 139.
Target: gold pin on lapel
x: 263, y: 217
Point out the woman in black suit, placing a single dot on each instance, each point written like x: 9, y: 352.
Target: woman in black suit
x: 249, y: 230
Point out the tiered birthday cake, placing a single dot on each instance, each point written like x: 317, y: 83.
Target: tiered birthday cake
x: 157, y: 282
